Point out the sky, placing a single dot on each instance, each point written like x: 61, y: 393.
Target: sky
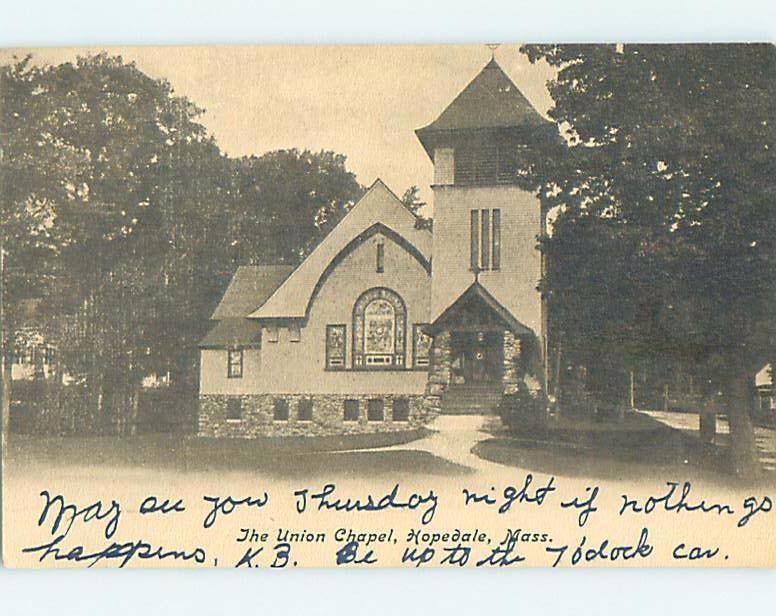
x: 361, y: 101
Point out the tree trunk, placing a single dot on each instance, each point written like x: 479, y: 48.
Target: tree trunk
x: 134, y: 409
x: 743, y: 448
x: 558, y: 385
x: 5, y: 359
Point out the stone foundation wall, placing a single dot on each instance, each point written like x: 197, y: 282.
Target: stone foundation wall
x: 511, y: 358
x: 328, y: 416
x: 438, y: 373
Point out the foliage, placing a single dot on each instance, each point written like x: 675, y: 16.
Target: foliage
x: 121, y: 212
x: 286, y: 202
x: 524, y: 410
x: 411, y: 200
x: 664, y: 245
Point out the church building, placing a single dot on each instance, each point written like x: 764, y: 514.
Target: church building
x: 386, y: 324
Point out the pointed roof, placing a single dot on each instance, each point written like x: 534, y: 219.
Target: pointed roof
x: 249, y: 288
x: 766, y: 376
x: 468, y: 309
x: 491, y: 100
x: 379, y: 205
x: 233, y: 333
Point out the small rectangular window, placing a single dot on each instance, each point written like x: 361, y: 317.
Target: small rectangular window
x: 485, y: 241
x: 272, y: 333
x: 496, y: 237
x: 335, y: 346
x: 233, y: 409
x: 474, y: 249
x: 294, y: 333
x: 421, y: 344
x: 234, y: 364
x: 280, y: 412
x: 401, y: 409
x: 304, y: 410
x: 350, y: 410
x: 380, y: 258
x: 375, y: 410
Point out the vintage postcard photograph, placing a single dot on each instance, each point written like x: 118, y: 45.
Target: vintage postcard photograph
x: 487, y: 306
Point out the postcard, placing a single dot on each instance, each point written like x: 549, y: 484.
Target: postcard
x: 486, y: 306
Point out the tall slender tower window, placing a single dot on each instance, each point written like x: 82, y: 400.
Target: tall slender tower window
x: 380, y: 258
x: 485, y: 236
x: 496, y: 237
x: 474, y: 251
x: 485, y: 240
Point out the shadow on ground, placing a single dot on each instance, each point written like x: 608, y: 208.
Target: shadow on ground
x: 281, y: 458
x: 635, y: 447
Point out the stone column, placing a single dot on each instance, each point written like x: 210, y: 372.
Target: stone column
x: 510, y: 377
x: 439, y: 372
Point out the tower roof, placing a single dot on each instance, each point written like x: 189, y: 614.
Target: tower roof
x: 491, y: 100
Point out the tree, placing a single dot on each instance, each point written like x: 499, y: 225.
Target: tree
x: 287, y: 201
x: 127, y: 218
x: 664, y: 246
x: 28, y: 192
x: 411, y: 200
x: 89, y: 148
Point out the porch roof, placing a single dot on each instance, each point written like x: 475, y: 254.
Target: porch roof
x: 233, y: 333
x: 476, y: 300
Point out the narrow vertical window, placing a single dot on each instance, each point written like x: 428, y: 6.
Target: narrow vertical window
x: 234, y: 409
x: 351, y: 410
x: 375, y: 409
x: 380, y: 258
x: 304, y: 410
x: 485, y: 241
x: 280, y: 409
x: 335, y: 347
x: 496, y: 237
x: 401, y: 409
x: 475, y: 240
x: 421, y: 345
x: 294, y: 333
x: 234, y: 364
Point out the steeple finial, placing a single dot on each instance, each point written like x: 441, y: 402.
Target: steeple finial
x: 493, y: 47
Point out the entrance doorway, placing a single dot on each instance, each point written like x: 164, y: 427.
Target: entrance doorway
x: 477, y: 357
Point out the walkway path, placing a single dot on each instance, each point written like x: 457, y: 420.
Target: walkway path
x: 689, y: 423
x: 453, y: 438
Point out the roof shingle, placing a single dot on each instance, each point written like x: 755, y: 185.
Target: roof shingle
x: 491, y: 100
x: 250, y: 287
x: 231, y: 333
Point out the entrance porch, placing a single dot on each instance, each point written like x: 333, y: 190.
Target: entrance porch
x: 476, y: 355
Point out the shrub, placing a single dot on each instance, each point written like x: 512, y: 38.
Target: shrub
x: 524, y: 410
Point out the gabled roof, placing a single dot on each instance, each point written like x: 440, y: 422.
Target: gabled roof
x: 378, y: 206
x: 491, y: 100
x: 468, y: 309
x: 233, y: 333
x: 766, y: 376
x: 249, y: 288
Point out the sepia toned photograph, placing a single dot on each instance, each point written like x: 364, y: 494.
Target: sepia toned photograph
x: 412, y: 306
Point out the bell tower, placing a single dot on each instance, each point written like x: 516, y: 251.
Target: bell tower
x: 485, y: 224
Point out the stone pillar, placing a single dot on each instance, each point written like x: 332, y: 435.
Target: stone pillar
x: 510, y: 377
x: 708, y: 427
x: 439, y: 372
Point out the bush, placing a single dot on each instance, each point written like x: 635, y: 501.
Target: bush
x: 524, y: 410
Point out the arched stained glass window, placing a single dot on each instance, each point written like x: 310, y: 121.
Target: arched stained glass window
x: 379, y: 325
